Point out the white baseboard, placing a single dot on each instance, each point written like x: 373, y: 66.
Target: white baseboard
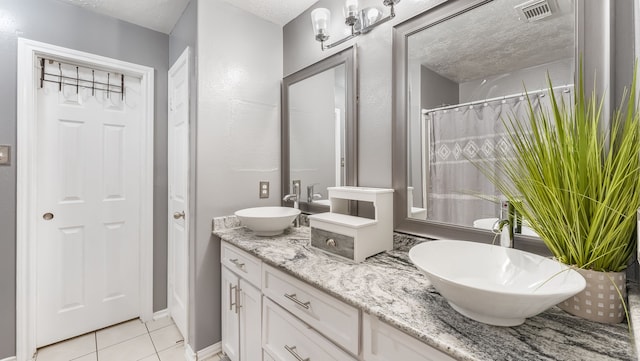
x: 209, y: 351
x: 189, y: 355
x: 202, y: 355
x: 12, y: 358
x: 156, y: 315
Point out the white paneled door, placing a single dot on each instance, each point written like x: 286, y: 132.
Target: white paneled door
x: 178, y: 162
x: 89, y: 168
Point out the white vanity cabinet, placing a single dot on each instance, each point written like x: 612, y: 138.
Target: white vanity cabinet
x: 334, y: 319
x: 286, y: 338
x: 270, y: 315
x: 382, y: 342
x: 241, y: 305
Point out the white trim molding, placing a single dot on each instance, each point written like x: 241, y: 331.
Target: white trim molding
x: 202, y: 355
x: 160, y: 314
x: 189, y: 354
x: 28, y: 51
x: 12, y: 358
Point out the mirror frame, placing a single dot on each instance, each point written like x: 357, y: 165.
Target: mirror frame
x: 348, y: 57
x: 426, y: 228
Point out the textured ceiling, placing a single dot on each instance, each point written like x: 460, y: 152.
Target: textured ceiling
x: 159, y: 15
x: 162, y: 15
x: 491, y: 40
x: 277, y: 11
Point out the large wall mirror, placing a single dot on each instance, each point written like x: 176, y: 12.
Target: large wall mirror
x: 458, y: 69
x: 319, y: 128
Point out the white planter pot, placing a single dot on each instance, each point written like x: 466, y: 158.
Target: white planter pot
x: 600, y: 300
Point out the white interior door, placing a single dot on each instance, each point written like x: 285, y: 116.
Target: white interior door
x: 89, y: 168
x: 178, y: 162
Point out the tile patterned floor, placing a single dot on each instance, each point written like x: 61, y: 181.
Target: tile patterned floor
x: 157, y: 340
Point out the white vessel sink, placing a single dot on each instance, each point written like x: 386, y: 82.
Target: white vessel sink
x: 487, y: 223
x: 267, y: 221
x: 492, y: 284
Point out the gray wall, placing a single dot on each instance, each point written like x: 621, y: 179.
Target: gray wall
x: 624, y: 47
x: 185, y: 34
x: 238, y: 140
x: 70, y: 26
x: 436, y: 90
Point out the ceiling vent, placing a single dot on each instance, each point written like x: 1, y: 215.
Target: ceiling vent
x: 534, y: 10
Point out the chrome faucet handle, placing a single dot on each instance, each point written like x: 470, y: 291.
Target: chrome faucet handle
x: 311, y: 195
x: 511, y: 219
x: 296, y: 185
x: 290, y: 197
x: 508, y: 211
x: 506, y: 240
x: 499, y: 224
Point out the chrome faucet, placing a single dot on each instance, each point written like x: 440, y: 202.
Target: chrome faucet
x: 295, y: 197
x: 311, y: 196
x: 510, y: 219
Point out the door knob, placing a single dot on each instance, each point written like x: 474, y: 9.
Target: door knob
x: 47, y: 216
x: 178, y: 215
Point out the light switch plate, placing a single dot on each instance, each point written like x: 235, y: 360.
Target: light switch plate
x: 5, y: 155
x: 264, y: 189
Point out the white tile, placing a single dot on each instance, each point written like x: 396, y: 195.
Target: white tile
x: 216, y: 357
x: 119, y: 333
x: 153, y: 357
x: 131, y: 350
x: 175, y: 353
x: 89, y: 357
x: 159, y: 323
x: 166, y: 337
x: 70, y: 349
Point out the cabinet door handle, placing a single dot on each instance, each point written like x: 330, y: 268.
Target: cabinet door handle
x: 238, y: 299
x: 237, y: 263
x: 292, y: 350
x: 232, y: 290
x: 293, y: 298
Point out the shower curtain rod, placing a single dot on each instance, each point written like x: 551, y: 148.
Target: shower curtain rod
x: 476, y: 102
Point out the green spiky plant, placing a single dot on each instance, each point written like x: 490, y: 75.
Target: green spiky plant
x: 576, y: 178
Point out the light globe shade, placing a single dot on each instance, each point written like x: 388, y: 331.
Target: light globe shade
x: 373, y: 15
x: 320, y: 18
x: 351, y: 8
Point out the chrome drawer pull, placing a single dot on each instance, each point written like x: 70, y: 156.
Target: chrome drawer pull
x: 238, y: 290
x: 292, y: 350
x: 293, y: 298
x: 237, y: 263
x: 231, y: 292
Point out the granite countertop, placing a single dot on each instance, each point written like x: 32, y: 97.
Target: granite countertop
x: 390, y: 287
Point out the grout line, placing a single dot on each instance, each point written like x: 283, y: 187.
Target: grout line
x: 154, y: 345
x: 123, y: 341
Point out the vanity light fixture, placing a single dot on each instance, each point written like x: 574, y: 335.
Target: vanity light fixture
x: 360, y: 21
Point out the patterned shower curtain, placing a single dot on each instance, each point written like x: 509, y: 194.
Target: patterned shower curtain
x: 457, y: 192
